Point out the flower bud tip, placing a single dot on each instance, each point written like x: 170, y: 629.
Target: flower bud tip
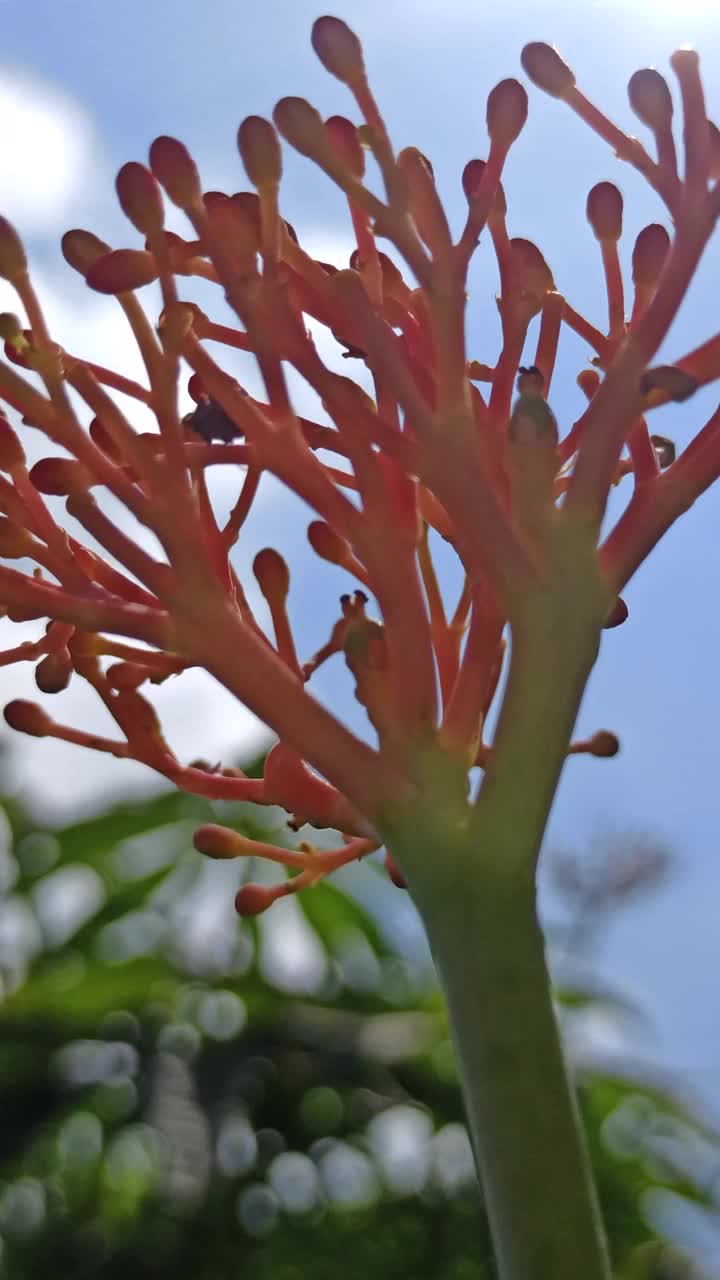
x: 605, y: 211
x: 176, y: 171
x: 217, y: 842
x: 650, y: 98
x: 140, y: 198
x: 672, y: 380
x: 345, y: 142
x: 507, y: 109
x: 604, y: 744
x: 617, y: 614
x: 328, y: 544
x: 543, y: 64
x: 122, y: 270
x: 260, y: 151
x: 82, y: 248
x: 301, y: 125
x: 53, y: 673
x: 339, y: 49
x: 59, y: 477
x: 649, y: 254
x: 27, y: 717
x: 272, y: 574
x: 253, y: 899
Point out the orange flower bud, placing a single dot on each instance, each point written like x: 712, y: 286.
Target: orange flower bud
x: 605, y: 210
x: 682, y: 59
x: 543, y: 64
x: 122, y: 270
x: 215, y: 841
x: 534, y: 275
x: 301, y: 125
x: 53, y: 673
x: 11, y: 451
x: 260, y: 150
x: 617, y: 615
x: 13, y: 262
x: 588, y: 381
x: 604, y: 744
x: 176, y: 171
x: 339, y: 49
x: 394, y: 285
x: 471, y: 180
x: 140, y: 712
x: 253, y: 899
x: 650, y: 98
x: 249, y: 202
x: 28, y: 717
x: 507, y: 109
x: 328, y: 544
x: 101, y: 437
x: 234, y: 224
x: 211, y: 199
x: 272, y: 575
x: 425, y: 206
x: 82, y: 248
x: 673, y: 381
x: 140, y: 198
x: 345, y: 143
x: 60, y: 476
x: 126, y: 675
x: 472, y: 177
x: 196, y: 389
x: 649, y: 255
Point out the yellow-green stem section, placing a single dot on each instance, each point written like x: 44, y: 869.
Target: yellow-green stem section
x: 529, y: 1147
x: 472, y: 876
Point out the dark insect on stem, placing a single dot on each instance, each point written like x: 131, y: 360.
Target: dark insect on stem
x: 211, y: 422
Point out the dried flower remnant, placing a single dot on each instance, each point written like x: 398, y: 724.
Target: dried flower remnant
x: 427, y: 454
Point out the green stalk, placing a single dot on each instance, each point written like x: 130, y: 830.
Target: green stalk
x: 473, y: 880
x: 523, y: 1119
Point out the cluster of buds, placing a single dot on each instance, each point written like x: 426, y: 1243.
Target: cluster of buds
x: 443, y: 448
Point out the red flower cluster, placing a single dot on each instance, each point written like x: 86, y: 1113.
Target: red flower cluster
x: 439, y: 448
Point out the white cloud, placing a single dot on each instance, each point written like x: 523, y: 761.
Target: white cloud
x: 46, y: 154
x: 87, y: 325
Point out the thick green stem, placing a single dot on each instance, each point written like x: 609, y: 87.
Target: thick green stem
x: 472, y: 875
x: 523, y: 1119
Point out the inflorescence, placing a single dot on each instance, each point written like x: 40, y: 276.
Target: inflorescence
x: 444, y: 446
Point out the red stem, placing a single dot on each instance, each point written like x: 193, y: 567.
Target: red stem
x: 249, y: 669
x: 606, y: 421
x: 41, y: 600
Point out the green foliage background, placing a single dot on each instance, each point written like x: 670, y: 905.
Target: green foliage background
x: 172, y: 1104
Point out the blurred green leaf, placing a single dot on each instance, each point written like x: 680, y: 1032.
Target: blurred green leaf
x: 167, y: 1108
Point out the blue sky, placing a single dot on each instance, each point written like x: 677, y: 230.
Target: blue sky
x: 86, y: 86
